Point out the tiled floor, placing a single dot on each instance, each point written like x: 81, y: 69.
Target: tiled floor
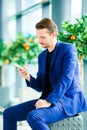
x: 21, y: 126
x: 24, y: 126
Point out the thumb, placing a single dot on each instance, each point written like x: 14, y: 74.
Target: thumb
x: 26, y: 67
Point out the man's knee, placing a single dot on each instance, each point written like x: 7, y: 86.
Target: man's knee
x: 31, y: 117
x: 35, y: 116
x: 6, y: 112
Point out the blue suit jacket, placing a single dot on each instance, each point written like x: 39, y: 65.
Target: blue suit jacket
x: 64, y: 78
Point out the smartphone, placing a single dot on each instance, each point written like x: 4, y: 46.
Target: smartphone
x: 18, y: 66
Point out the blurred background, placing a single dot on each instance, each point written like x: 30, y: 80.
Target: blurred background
x: 17, y: 25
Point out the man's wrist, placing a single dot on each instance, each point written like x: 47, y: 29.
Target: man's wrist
x: 28, y: 77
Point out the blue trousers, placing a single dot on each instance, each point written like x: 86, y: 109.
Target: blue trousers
x: 36, y: 118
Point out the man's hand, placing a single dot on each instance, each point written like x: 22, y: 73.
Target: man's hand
x: 42, y: 103
x: 24, y: 73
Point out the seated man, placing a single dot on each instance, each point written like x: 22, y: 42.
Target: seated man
x: 57, y: 79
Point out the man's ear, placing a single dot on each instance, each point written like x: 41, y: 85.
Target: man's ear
x: 54, y: 34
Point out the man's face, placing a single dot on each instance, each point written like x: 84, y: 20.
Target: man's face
x: 44, y: 37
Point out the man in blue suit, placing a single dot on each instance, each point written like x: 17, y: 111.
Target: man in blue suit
x: 57, y: 79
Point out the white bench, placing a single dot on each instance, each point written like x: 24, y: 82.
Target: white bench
x: 71, y: 123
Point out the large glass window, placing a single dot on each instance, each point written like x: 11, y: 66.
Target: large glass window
x: 11, y: 22
x: 12, y: 29
x: 76, y: 9
x: 29, y: 21
x: 11, y: 7
x: 29, y: 3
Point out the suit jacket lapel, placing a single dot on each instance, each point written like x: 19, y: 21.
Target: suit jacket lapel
x: 54, y: 53
x: 44, y: 61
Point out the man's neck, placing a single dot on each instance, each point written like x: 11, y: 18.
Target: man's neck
x: 51, y: 48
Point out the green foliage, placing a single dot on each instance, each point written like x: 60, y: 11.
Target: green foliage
x: 76, y: 34
x: 3, y: 53
x: 23, y: 50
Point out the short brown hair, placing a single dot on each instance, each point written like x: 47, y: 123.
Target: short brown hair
x: 48, y: 24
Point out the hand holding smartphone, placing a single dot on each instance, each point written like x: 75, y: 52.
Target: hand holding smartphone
x: 23, y: 72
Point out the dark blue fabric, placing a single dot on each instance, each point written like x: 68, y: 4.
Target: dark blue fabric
x: 64, y: 78
x: 67, y: 96
x: 36, y: 118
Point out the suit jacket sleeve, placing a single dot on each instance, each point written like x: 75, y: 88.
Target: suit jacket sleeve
x: 67, y: 74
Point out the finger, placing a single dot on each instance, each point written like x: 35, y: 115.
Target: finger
x: 22, y: 73
x: 25, y: 67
